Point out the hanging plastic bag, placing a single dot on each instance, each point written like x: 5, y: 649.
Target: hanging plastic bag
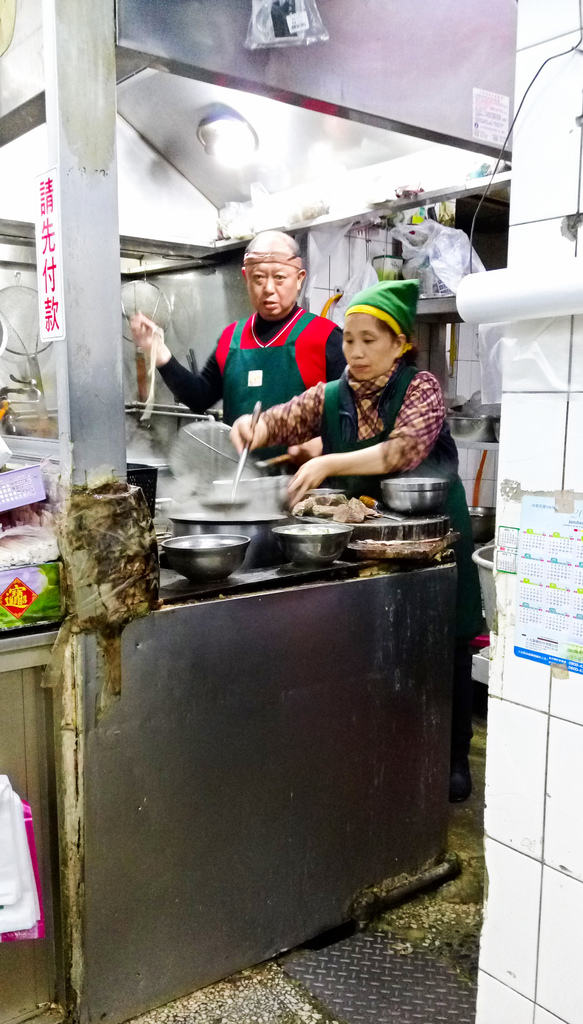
x: 285, y: 23
x: 437, y: 256
x: 22, y: 917
x: 364, y: 277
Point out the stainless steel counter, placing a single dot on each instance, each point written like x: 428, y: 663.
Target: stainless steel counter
x: 269, y: 756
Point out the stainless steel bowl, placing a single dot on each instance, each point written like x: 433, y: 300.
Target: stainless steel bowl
x: 414, y: 495
x: 263, y: 551
x: 206, y: 558
x: 483, y: 523
x: 472, y: 428
x: 312, y: 543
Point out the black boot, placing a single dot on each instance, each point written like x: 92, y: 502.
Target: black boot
x: 460, y: 780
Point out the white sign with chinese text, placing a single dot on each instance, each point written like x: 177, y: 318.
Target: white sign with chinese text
x: 49, y: 257
x: 490, y: 116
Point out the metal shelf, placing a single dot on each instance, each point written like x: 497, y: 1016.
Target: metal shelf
x: 442, y: 309
x: 22, y: 233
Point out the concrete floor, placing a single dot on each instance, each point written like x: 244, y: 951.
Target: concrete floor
x: 431, y: 940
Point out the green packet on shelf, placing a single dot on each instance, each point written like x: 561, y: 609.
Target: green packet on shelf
x: 30, y: 594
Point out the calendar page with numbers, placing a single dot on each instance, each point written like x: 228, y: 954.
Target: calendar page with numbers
x: 549, y: 580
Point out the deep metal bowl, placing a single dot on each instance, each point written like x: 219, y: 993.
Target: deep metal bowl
x: 483, y: 523
x: 206, y: 558
x: 472, y: 428
x: 263, y: 551
x: 413, y: 495
x: 312, y: 543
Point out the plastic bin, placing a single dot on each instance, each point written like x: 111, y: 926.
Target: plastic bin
x: 21, y: 487
x: 484, y: 559
x: 146, y: 477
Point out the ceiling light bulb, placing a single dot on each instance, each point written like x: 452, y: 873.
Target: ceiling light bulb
x: 227, y: 137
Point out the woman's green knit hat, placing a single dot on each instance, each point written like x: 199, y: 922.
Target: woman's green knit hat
x: 395, y: 302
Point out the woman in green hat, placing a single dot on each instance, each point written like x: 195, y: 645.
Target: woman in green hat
x: 385, y: 417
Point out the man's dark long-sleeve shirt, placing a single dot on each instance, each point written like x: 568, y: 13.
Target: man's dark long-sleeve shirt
x: 199, y: 392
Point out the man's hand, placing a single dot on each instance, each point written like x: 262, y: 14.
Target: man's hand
x: 300, y: 453
x: 241, y: 433
x: 308, y: 476
x: 146, y: 335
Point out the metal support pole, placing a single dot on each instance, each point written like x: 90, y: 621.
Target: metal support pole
x: 79, y: 55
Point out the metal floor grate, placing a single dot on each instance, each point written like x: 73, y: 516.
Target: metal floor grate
x: 363, y: 980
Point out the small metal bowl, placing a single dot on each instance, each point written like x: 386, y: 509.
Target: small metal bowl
x: 472, y: 428
x: 413, y: 495
x: 483, y: 523
x: 207, y: 557
x: 312, y: 543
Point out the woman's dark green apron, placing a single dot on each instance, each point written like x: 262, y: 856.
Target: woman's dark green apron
x: 468, y: 601
x: 275, y: 367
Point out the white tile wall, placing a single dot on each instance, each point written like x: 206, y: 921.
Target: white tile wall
x: 498, y: 1004
x: 574, y: 448
x: 534, y: 427
x: 524, y: 682
x: 531, y: 245
x: 564, y: 820
x: 533, y: 20
x: 515, y: 776
x: 560, y: 977
x: 545, y: 165
x: 541, y: 434
x: 544, y: 1017
x: 509, y: 936
x: 567, y: 698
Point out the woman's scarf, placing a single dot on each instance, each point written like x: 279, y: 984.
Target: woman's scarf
x: 367, y: 394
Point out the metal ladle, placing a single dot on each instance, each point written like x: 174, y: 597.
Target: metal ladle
x: 243, y: 457
x: 218, y: 503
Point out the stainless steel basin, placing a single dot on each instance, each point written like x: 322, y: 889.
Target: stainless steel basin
x: 207, y: 557
x: 312, y: 544
x: 413, y: 495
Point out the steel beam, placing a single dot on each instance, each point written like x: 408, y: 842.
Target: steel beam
x: 79, y: 51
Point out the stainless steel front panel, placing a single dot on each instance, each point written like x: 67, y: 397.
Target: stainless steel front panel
x: 269, y: 756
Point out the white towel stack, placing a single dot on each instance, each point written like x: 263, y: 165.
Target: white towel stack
x: 19, y: 905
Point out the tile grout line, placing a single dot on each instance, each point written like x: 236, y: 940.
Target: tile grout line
x: 541, y: 42
x: 542, y: 857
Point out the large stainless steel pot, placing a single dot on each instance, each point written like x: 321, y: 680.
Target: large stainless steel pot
x: 263, y: 551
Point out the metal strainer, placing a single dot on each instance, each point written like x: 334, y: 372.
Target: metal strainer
x: 144, y: 297
x: 19, y: 314
x: 203, y: 453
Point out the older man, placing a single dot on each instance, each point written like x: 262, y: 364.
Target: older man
x: 279, y: 352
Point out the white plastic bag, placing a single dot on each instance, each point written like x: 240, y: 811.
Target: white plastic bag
x: 364, y: 277
x: 437, y: 256
x: 285, y: 23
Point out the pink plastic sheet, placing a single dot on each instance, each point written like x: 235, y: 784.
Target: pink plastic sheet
x: 38, y: 930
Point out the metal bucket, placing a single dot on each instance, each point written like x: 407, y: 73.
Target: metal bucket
x: 484, y: 559
x: 263, y: 551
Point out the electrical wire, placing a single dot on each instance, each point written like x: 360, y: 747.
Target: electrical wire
x: 555, y: 56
